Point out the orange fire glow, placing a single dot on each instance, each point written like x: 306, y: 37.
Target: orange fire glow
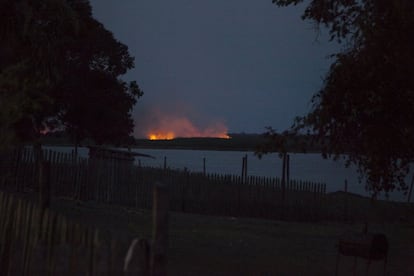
x: 172, y: 127
x: 161, y: 136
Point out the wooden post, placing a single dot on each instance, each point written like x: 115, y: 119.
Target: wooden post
x: 160, y: 230
x: 346, y: 200
x: 242, y: 171
x: 245, y: 166
x: 38, y: 158
x: 287, y: 169
x: 411, y: 190
x: 204, y: 166
x: 44, y: 185
x: 239, y: 187
x: 165, y: 163
x: 284, y: 177
x: 185, y: 186
x: 8, y: 222
x: 37, y: 151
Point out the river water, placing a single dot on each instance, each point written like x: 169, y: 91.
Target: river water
x: 309, y: 167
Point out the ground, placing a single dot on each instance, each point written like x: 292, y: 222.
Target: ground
x: 206, y: 245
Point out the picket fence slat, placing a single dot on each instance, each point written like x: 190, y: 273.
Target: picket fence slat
x: 37, y: 241
x: 112, y: 181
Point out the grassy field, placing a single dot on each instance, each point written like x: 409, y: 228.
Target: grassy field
x: 205, y: 245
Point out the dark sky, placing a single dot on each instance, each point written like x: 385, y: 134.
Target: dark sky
x: 244, y: 63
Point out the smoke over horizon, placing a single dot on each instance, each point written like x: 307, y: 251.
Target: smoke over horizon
x: 177, y: 121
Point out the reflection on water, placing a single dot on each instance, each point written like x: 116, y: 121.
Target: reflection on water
x: 311, y: 166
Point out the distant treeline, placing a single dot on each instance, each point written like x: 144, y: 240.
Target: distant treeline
x: 242, y: 142
x: 237, y: 142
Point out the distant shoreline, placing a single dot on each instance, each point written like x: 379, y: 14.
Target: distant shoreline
x: 237, y: 142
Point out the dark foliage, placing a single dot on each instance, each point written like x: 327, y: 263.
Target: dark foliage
x: 60, y: 68
x: 365, y: 106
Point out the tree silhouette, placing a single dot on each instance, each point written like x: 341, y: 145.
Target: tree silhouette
x: 32, y: 35
x: 364, y: 108
x: 60, y: 68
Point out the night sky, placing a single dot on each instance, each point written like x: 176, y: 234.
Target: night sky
x: 246, y: 64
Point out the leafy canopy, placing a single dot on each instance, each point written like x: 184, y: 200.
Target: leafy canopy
x: 60, y: 68
x: 32, y: 35
x: 365, y: 107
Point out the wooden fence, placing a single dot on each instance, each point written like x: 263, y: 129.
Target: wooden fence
x: 123, y: 183
x: 37, y: 241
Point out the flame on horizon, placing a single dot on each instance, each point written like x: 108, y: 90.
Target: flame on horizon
x: 161, y: 136
x: 170, y: 127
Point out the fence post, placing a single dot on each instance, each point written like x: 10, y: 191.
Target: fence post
x: 284, y: 177
x: 184, y: 189
x: 160, y: 230
x: 44, y: 185
x: 346, y: 201
x: 287, y: 169
x: 6, y: 248
x: 244, y: 168
x: 38, y: 159
x: 411, y: 190
x: 165, y: 163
